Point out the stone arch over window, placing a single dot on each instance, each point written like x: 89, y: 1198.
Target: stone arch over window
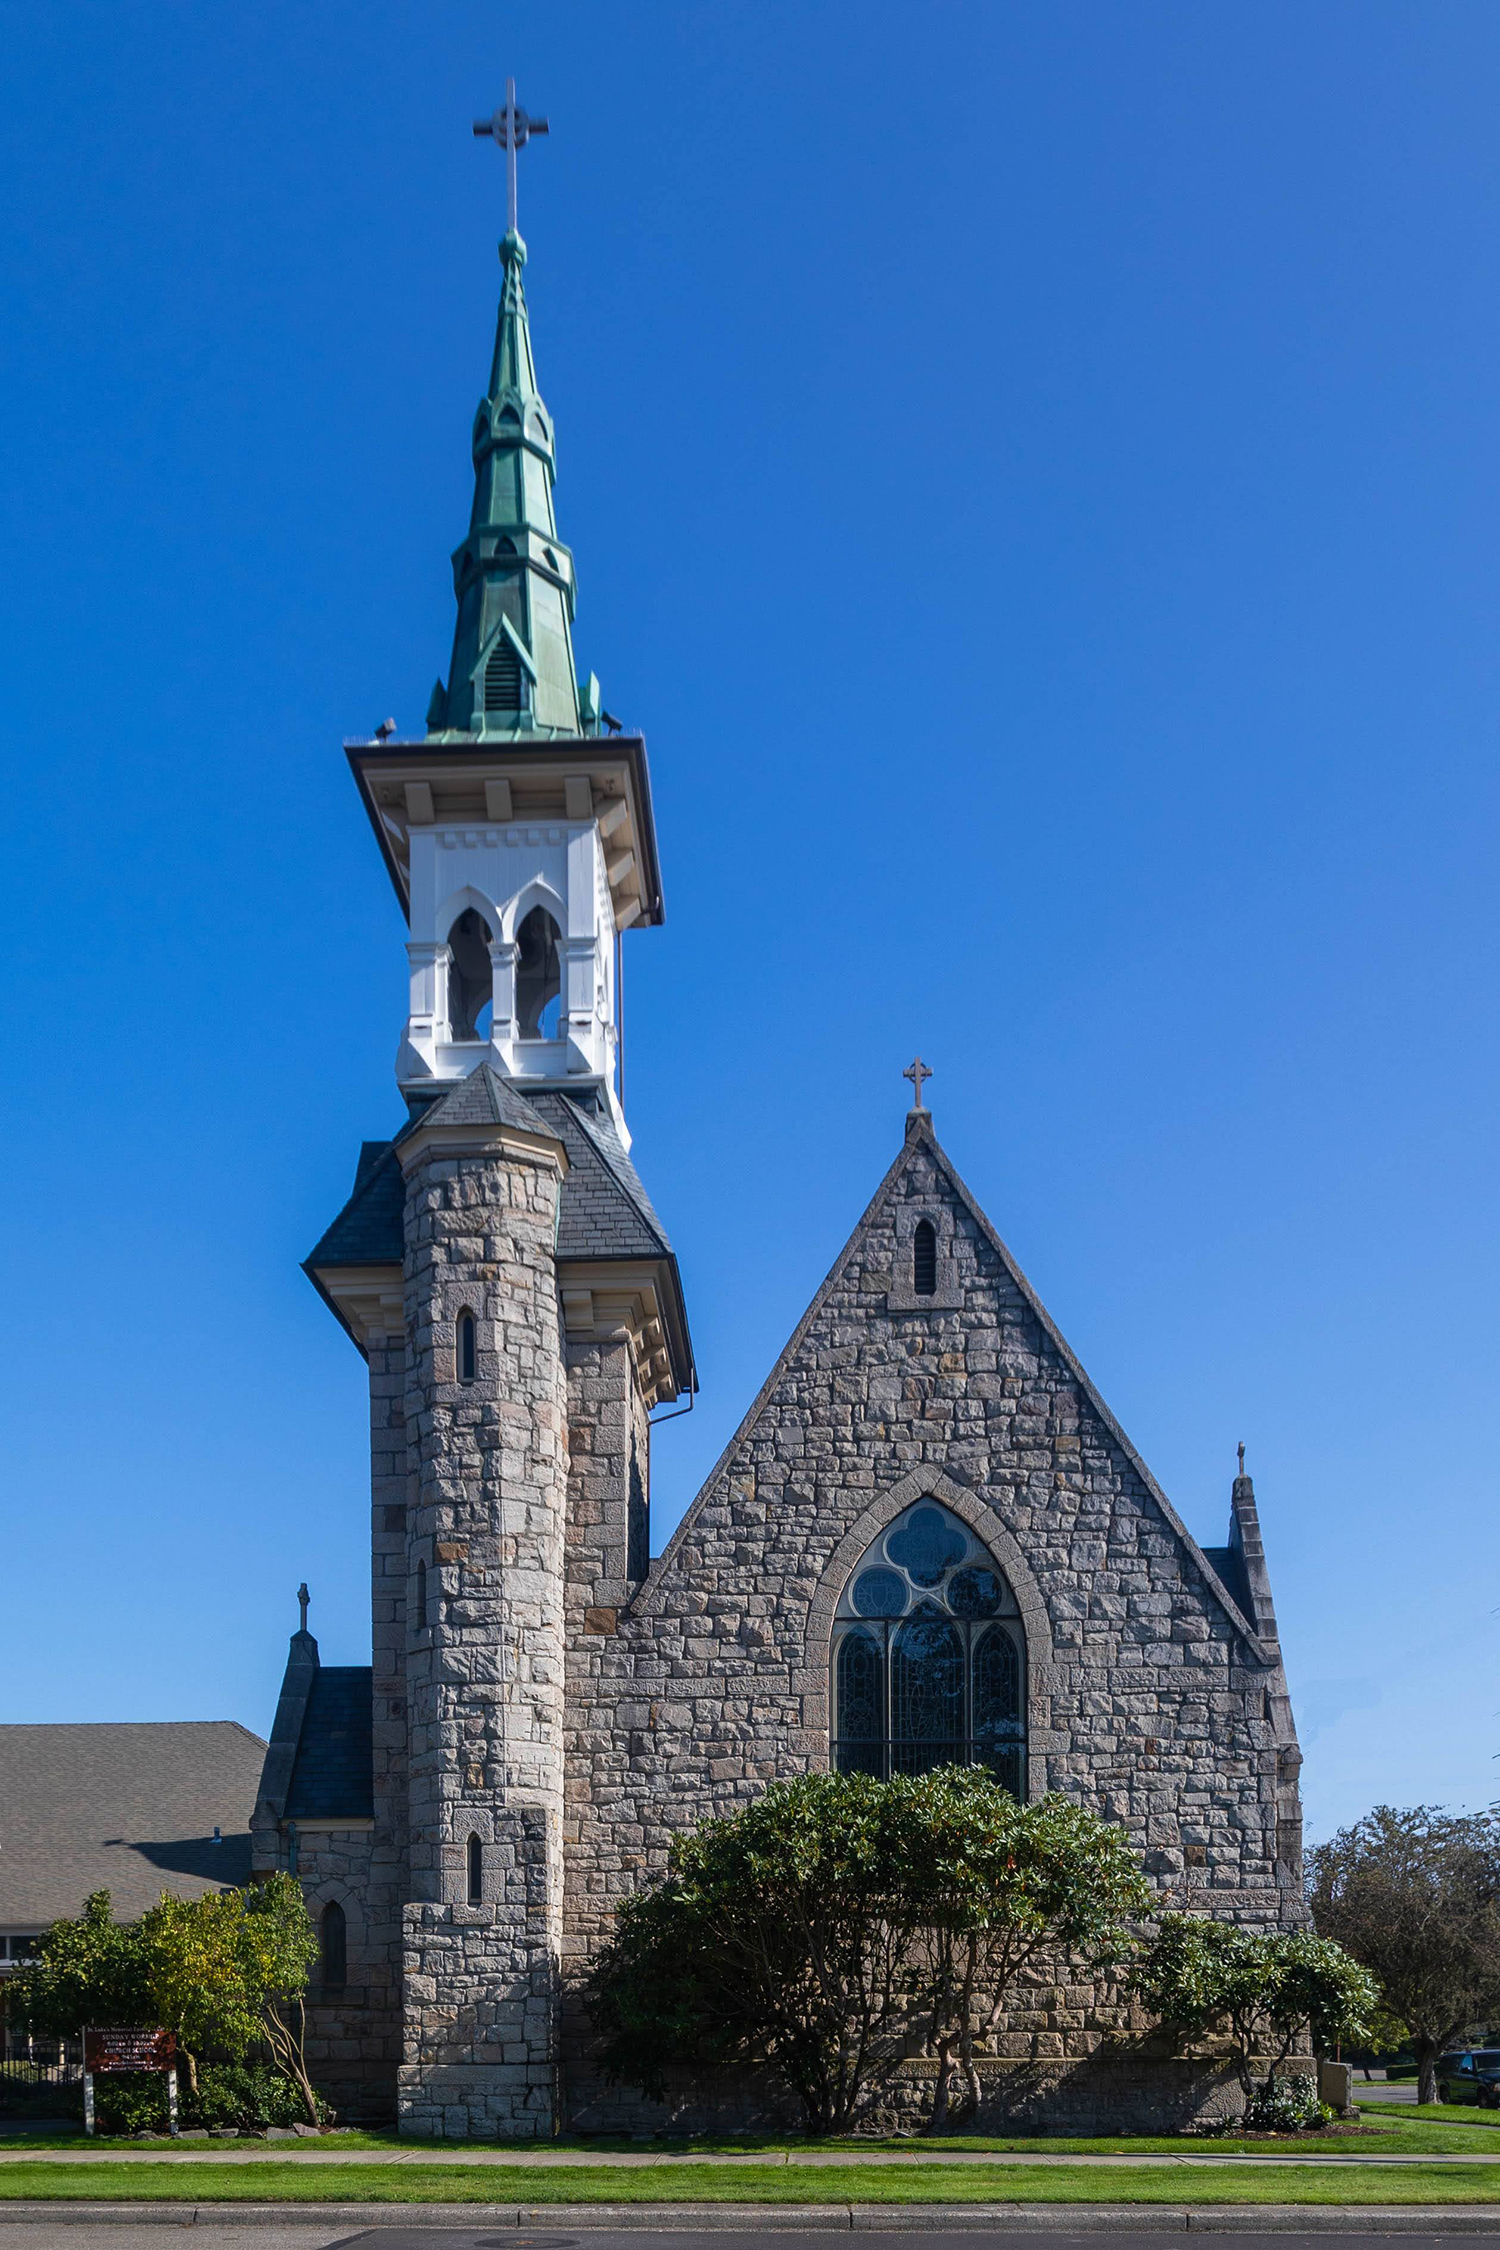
x: 928, y: 1655
x: 334, y: 1897
x: 817, y: 1681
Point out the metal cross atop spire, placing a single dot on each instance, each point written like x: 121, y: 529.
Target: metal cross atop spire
x: 303, y: 1598
x: 510, y: 128
x: 918, y: 1072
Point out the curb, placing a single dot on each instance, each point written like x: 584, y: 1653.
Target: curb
x: 781, y: 2218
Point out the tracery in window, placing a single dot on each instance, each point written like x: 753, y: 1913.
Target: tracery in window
x: 929, y: 1655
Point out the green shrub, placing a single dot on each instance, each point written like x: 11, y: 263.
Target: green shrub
x: 1286, y: 2105
x: 130, y: 2101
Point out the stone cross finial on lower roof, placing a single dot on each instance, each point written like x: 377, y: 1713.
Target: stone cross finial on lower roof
x: 303, y: 1598
x: 1241, y: 1450
x: 918, y: 1072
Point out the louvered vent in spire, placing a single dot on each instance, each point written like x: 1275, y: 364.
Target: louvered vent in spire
x: 502, y: 676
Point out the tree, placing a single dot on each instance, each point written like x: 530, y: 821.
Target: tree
x: 1415, y: 1896
x: 92, y: 1970
x: 997, y: 1886
x: 222, y: 1972
x: 838, y: 1920
x: 1270, y: 1988
x: 229, y: 1968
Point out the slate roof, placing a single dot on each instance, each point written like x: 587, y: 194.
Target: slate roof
x: 128, y: 1808
x: 333, y: 1776
x: 605, y: 1210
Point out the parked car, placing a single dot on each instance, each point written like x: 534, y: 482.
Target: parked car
x: 1471, y: 2074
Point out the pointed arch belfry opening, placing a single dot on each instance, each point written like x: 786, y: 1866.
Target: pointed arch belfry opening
x: 930, y: 1679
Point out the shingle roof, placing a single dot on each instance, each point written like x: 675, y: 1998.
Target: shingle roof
x: 606, y: 1212
x: 483, y: 1098
x: 126, y: 1808
x: 333, y: 1776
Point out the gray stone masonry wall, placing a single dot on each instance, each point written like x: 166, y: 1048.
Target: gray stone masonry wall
x: 1149, y: 1700
x: 485, y: 1675
x: 607, y: 1425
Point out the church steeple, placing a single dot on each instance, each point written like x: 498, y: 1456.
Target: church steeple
x: 512, y: 668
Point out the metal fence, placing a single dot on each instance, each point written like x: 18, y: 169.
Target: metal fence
x: 29, y: 2067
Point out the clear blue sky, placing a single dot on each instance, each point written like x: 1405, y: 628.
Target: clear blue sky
x: 1033, y: 477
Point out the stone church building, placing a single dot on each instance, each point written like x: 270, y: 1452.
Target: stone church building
x: 928, y: 1539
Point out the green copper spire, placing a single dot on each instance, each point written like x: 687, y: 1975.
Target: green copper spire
x: 512, y: 669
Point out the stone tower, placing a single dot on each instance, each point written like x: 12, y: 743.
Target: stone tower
x: 502, y: 1270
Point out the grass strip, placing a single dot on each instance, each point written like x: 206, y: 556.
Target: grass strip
x: 686, y: 2184
x: 1443, y: 2136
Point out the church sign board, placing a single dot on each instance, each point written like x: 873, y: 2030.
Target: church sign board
x: 128, y: 2047
x: 112, y: 2047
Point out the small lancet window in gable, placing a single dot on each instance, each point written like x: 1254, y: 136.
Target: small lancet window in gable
x: 929, y: 1656
x: 466, y: 1350
x: 333, y: 1948
x: 476, y: 1872
x: 924, y: 1259
x: 421, y: 1597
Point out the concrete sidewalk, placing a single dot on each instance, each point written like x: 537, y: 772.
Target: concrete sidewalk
x: 639, y: 2160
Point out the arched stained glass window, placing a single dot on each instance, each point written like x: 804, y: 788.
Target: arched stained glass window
x: 929, y: 1655
x: 861, y: 1702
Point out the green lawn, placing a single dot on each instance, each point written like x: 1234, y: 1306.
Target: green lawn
x: 1465, y: 2113
x: 687, y: 2183
x: 1397, y: 2132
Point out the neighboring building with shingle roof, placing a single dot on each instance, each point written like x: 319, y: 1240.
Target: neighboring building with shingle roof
x: 132, y: 1808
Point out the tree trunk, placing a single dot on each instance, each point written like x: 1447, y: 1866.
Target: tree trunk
x: 938, y: 2122
x: 1427, y: 2056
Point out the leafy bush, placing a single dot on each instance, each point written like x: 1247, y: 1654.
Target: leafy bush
x: 838, y: 1922
x: 247, y: 2095
x: 1268, y: 1988
x: 1286, y: 2105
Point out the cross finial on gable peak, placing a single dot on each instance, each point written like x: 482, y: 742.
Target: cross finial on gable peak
x: 303, y: 1598
x: 918, y: 1072
x: 1241, y: 1451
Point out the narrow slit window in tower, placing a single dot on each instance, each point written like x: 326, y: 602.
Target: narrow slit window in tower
x: 421, y: 1597
x: 476, y: 1872
x: 333, y: 1947
x: 467, y: 1354
x: 924, y: 1259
